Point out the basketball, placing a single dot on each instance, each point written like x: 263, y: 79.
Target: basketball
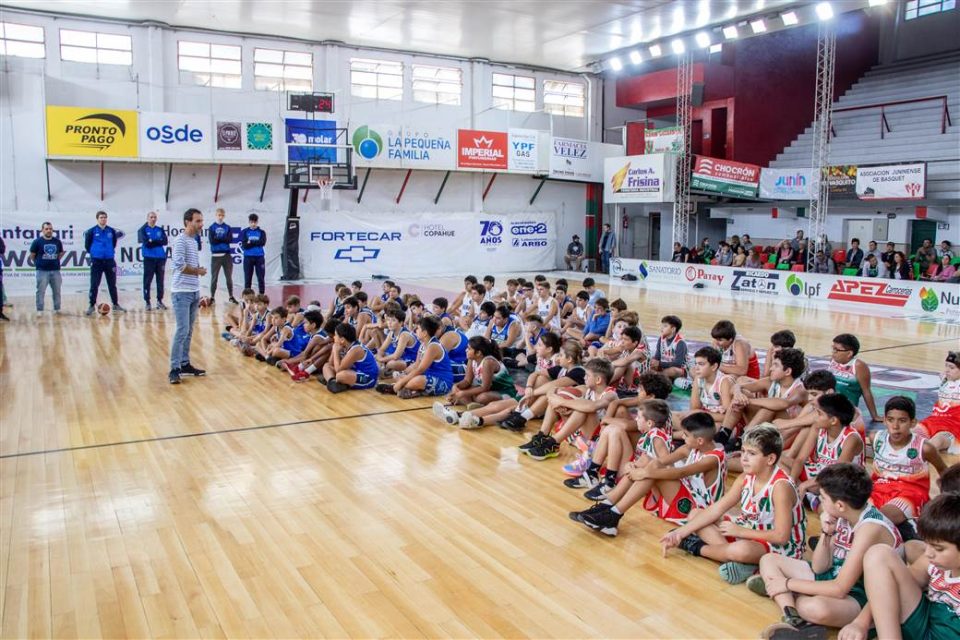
x: 103, y: 308
x: 205, y: 302
x: 568, y: 392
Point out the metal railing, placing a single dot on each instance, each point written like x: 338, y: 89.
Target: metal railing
x: 885, y: 126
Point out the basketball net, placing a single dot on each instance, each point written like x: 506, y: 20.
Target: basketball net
x: 326, y: 187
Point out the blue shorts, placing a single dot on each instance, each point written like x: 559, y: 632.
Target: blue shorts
x: 364, y: 381
x: 459, y: 371
x: 436, y: 386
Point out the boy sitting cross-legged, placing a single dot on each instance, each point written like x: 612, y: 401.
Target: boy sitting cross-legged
x: 770, y: 517
x: 780, y: 394
x: 829, y: 589
x: 355, y: 369
x: 672, y: 492
x: 817, y: 383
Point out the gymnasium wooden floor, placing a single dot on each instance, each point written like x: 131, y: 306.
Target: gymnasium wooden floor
x: 244, y: 505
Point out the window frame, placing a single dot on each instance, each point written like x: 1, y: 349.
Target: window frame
x: 97, y: 47
x: 377, y: 90
x: 226, y: 78
x: 435, y: 84
x: 567, y: 107
x: 508, y: 100
x: 6, y: 40
x: 283, y: 81
x: 913, y: 9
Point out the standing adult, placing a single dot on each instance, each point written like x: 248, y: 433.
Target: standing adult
x: 574, y: 256
x: 252, y: 240
x: 185, y: 294
x: 3, y: 250
x: 608, y: 240
x: 100, y: 242
x: 46, y: 252
x: 221, y: 255
x: 153, y: 249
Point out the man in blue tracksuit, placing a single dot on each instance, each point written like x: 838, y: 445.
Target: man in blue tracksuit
x: 153, y: 250
x: 100, y: 242
x: 221, y: 255
x: 252, y: 241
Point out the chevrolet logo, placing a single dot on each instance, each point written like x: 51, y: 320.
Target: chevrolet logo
x: 357, y: 253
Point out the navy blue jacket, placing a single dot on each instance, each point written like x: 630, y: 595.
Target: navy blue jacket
x: 152, y: 241
x: 220, y: 237
x: 101, y: 243
x: 252, y: 241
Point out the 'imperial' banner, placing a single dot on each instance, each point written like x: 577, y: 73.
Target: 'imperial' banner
x: 726, y: 177
x: 646, y: 178
x: 892, y: 182
x: 91, y: 132
x: 482, y: 150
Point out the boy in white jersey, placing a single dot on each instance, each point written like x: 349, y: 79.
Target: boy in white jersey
x: 581, y: 314
x: 778, y: 395
x: 943, y: 425
x: 922, y: 601
x: 463, y: 304
x: 828, y: 591
x: 901, y: 465
x: 817, y: 383
x: 672, y: 486
x: 237, y: 315
x: 739, y: 358
x: 770, y: 517
x: 547, y: 307
x: 713, y: 390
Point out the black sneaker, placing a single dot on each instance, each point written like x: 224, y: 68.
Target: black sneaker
x: 535, y: 441
x: 174, y: 376
x: 577, y: 516
x: 233, y: 300
x: 510, y: 363
x: 722, y: 436
x: 692, y: 544
x: 273, y: 361
x: 336, y: 387
x: 599, y: 492
x: 605, y: 521
x: 386, y: 388
x: 733, y: 444
x: 584, y: 481
x: 549, y: 448
x: 514, y: 422
x: 321, y: 379
x: 190, y: 370
x: 794, y: 628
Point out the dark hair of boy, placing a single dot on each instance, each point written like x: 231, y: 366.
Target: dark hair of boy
x: 338, y: 286
x: 953, y: 357
x: 533, y: 318
x: 848, y: 341
x: 602, y: 303
x: 950, y: 479
x: 560, y: 287
x: 489, y: 279
x: 471, y: 279
x: 821, y: 380
x: 430, y: 324
x: 573, y: 350
x: 940, y: 520
x: 633, y: 334
x: 619, y: 305
x: 711, y: 354
x: 901, y: 403
x: 849, y: 483
x: 766, y: 438
x: 601, y: 367
x: 792, y: 359
x: 539, y: 278
x: 346, y: 331
x: 488, y: 308
x: 837, y: 406
x: 397, y: 314
x: 479, y: 289
x: 583, y: 295
x: 699, y: 424
x: 280, y: 311
x: 415, y: 302
x: 252, y: 217
x: 657, y: 411
x: 783, y: 338
x: 562, y: 282
x: 484, y: 346
x: 443, y: 303
x: 392, y: 306
x: 503, y: 311
x: 247, y: 292
x: 356, y: 284
x: 723, y: 330
x: 589, y: 282
x: 330, y: 326
x: 264, y: 298
x: 314, y: 317
x: 293, y: 301
x: 655, y: 384
x: 397, y: 287
x: 361, y: 296
x: 514, y: 282
x: 673, y: 321
x: 352, y: 301
x: 551, y: 341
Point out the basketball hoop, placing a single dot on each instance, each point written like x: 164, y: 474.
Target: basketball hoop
x: 326, y: 187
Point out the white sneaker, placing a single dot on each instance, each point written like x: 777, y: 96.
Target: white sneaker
x: 682, y: 383
x: 469, y: 421
x: 440, y: 411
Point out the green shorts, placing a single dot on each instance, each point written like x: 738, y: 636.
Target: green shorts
x: 931, y: 621
x: 857, y: 592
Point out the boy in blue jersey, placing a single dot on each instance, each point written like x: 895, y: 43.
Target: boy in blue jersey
x: 355, y: 369
x: 100, y: 243
x: 400, y: 345
x: 153, y: 249
x: 431, y: 374
x: 252, y: 241
x: 221, y: 255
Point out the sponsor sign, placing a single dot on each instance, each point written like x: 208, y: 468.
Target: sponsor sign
x: 523, y: 150
x: 260, y: 136
x: 842, y: 180
x: 175, y: 136
x: 703, y: 275
x: 647, y: 178
x: 869, y: 290
x: 302, y: 131
x: 229, y: 136
x: 482, y: 150
x: 571, y: 159
x: 665, y: 140
x: 756, y: 281
x: 91, y: 132
x: 395, y: 146
x: 892, y: 182
x: 530, y: 233
x: 786, y: 184
x: 725, y: 177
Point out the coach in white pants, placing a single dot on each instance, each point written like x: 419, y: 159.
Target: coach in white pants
x: 185, y: 292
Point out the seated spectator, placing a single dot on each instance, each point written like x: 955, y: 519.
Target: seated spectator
x: 946, y: 249
x: 887, y: 256
x: 574, y: 256
x: 901, y: 267
x: 826, y: 245
x: 680, y: 253
x: 753, y: 260
x: 724, y: 256
x: 854, y: 255
x: 926, y: 255
x: 822, y: 263
x: 706, y: 251
x: 944, y: 270
x: 734, y: 244
x: 795, y: 243
x: 800, y: 256
x: 873, y: 268
x: 747, y: 244
x: 740, y: 258
x: 872, y: 250
x: 784, y: 253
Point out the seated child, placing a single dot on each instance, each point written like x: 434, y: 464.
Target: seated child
x: 780, y: 394
x: 943, y: 425
x: 279, y: 330
x: 237, y: 313
x: 432, y: 373
x: 400, y: 345
x: 481, y: 322
x: 341, y: 293
x: 310, y: 339
x: 506, y: 330
x: 921, y: 601
x: 454, y: 342
x: 584, y: 413
x: 596, y: 326
x: 817, y: 384
x: 713, y: 392
x: 579, y: 315
x: 316, y: 354
x: 901, y: 465
x: 487, y: 380
x: 739, y: 358
x: 672, y: 486
x: 852, y: 374
x: 769, y: 519
x: 532, y: 330
x: 784, y: 339
x: 355, y: 369
x: 632, y: 360
x: 255, y: 324
x: 564, y: 301
x: 828, y: 590
x: 608, y: 346
x: 439, y: 308
x: 547, y: 307
x: 670, y: 357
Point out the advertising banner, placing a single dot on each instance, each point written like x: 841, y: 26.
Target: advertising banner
x: 177, y: 136
x: 726, y: 177
x: 245, y: 140
x: 647, y: 178
x: 229, y: 136
x: 665, y: 140
x: 360, y: 245
x: 786, y: 184
x: 524, y: 150
x: 482, y: 150
x: 892, y: 182
x: 91, y: 132
x: 842, y: 180
x: 397, y: 147
x: 303, y: 131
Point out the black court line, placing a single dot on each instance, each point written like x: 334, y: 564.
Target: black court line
x: 912, y: 344
x: 181, y: 436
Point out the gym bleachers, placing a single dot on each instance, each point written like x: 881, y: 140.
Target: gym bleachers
x: 915, y: 128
